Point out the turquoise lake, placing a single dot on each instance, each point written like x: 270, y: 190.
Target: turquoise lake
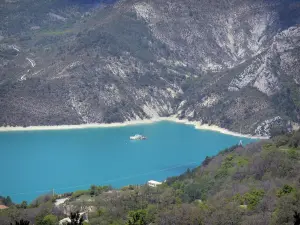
x: 34, y: 162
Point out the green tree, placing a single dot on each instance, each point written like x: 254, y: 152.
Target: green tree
x: 281, y: 140
x: 40, y: 217
x: 137, y: 217
x: 8, y: 201
x: 253, y: 197
x: 295, y: 140
x: 193, y: 191
x: 14, y: 214
x: 23, y: 205
x: 50, y: 220
x: 93, y: 190
x: 293, y: 154
x: 286, y: 189
x: 86, y: 223
x: 285, y: 209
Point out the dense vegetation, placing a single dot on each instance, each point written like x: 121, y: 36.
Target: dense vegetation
x: 253, y: 185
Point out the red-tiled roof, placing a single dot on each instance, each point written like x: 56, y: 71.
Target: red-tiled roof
x: 3, y: 207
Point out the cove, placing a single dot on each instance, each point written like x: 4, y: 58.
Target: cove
x: 35, y: 162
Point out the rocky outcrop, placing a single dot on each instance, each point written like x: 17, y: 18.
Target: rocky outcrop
x: 231, y: 63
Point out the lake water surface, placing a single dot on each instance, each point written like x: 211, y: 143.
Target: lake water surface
x: 34, y: 162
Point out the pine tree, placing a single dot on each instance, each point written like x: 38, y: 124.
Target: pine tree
x: 21, y: 222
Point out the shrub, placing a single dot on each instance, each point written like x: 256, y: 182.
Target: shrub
x: 226, y: 165
x: 276, y: 131
x: 295, y: 140
x: 286, y: 189
x: 239, y: 199
x: 207, y: 160
x: 242, y: 161
x: 269, y: 147
x: 251, y: 199
x: 193, y: 191
x: 228, y: 150
x: 137, y: 217
x: 221, y: 173
x: 286, y: 208
x: 79, y: 193
x: 50, y: 220
x: 293, y: 154
x: 39, y: 219
x: 281, y: 140
x: 228, y: 162
x: 40, y: 200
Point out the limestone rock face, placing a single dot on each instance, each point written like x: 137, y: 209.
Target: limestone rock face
x: 233, y: 63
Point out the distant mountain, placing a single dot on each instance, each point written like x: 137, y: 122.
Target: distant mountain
x: 92, y: 1
x: 233, y: 63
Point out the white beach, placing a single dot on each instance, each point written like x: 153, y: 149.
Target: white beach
x: 196, y: 124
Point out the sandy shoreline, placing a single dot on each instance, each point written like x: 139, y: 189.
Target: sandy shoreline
x: 197, y: 125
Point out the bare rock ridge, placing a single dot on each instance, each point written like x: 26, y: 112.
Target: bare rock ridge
x: 233, y: 63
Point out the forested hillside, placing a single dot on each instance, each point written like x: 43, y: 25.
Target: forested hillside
x: 231, y: 63
x: 253, y: 185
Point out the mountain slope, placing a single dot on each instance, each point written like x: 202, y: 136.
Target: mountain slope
x: 231, y: 63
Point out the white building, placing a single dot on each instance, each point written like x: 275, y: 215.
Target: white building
x: 68, y: 220
x: 153, y: 183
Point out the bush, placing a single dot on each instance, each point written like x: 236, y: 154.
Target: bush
x: 137, y: 217
x: 79, y: 193
x: 286, y: 189
x: 286, y: 207
x: 295, y: 140
x: 269, y: 147
x: 85, y: 223
x: 129, y: 187
x: 221, y: 173
x: 228, y: 150
x: 226, y: 165
x: 23, y: 205
x: 50, y: 220
x: 207, y: 160
x: 228, y: 162
x: 39, y: 219
x: 241, y: 161
x: 193, y: 191
x: 40, y: 200
x: 276, y: 131
x: 96, y: 190
x: 293, y: 154
x: 281, y: 140
x: 251, y: 199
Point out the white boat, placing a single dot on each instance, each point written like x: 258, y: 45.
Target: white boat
x: 137, y: 137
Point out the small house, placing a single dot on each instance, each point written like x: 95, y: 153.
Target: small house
x: 153, y: 183
x: 3, y: 207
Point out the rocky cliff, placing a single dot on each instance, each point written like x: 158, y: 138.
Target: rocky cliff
x: 233, y: 63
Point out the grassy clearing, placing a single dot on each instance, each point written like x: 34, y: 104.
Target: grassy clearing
x: 55, y: 32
